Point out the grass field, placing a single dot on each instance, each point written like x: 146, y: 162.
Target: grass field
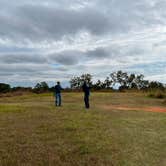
x: 33, y: 132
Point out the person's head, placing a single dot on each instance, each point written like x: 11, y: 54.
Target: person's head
x: 58, y: 83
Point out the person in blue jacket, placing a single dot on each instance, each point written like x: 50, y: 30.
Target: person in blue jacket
x: 86, y: 90
x: 58, y: 88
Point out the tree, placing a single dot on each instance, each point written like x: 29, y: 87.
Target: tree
x: 41, y: 87
x: 87, y: 78
x: 44, y: 86
x: 120, y: 78
x: 139, y: 81
x: 76, y: 82
x: 98, y: 85
x: 131, y: 82
x: 156, y: 85
x: 4, y: 88
x: 107, y: 83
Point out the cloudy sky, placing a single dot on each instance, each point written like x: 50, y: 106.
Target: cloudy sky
x: 54, y: 40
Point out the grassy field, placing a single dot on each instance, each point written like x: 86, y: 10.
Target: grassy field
x: 33, y: 132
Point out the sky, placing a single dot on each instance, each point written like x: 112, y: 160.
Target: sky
x: 48, y: 40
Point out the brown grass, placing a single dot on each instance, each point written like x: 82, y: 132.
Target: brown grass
x: 35, y: 133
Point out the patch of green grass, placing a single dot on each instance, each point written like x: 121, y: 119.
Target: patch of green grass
x: 11, y: 108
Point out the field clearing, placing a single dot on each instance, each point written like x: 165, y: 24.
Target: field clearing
x: 117, y: 130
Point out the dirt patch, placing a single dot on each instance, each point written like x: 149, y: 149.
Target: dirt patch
x: 127, y: 108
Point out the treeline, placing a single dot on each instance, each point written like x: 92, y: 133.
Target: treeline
x: 121, y: 80
x: 39, y: 88
x: 4, y: 88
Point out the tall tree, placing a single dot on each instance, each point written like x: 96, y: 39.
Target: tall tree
x: 121, y: 78
x: 108, y: 83
x: 76, y: 82
x: 41, y: 87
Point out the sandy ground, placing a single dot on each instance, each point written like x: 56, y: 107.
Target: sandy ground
x: 127, y: 108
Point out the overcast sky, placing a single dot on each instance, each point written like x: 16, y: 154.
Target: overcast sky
x: 54, y: 40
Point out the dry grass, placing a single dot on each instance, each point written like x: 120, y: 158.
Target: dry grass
x: 35, y: 133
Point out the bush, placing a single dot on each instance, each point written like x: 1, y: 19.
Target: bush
x: 4, y: 88
x: 157, y: 94
x: 41, y: 88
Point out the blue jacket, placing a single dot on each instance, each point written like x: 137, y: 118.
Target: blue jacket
x: 58, y: 89
x: 86, y: 89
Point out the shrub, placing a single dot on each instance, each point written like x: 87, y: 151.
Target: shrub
x: 4, y: 88
x: 41, y: 88
x: 157, y: 94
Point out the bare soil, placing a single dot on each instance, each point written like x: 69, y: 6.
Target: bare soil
x: 129, y: 108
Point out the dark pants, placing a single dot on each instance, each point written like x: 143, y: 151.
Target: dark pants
x: 58, y: 99
x: 86, y: 100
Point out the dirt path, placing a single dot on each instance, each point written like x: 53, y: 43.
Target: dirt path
x: 127, y: 108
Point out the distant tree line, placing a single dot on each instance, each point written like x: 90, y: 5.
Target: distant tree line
x: 38, y: 88
x: 120, y: 79
x: 4, y: 88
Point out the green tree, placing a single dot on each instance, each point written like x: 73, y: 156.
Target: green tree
x: 98, y: 85
x: 41, y: 87
x: 87, y: 78
x: 121, y: 78
x: 76, y: 82
x: 155, y: 85
x: 108, y: 83
x: 4, y: 88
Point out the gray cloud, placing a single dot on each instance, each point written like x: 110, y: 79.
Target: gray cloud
x: 53, y: 21
x: 44, y: 40
x: 13, y: 49
x: 132, y: 15
x: 22, y: 58
x: 65, y: 57
x: 98, y: 53
x: 37, y: 22
x: 73, y: 57
x: 22, y: 68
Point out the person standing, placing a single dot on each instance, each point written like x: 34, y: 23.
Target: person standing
x: 86, y: 90
x: 58, y: 89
